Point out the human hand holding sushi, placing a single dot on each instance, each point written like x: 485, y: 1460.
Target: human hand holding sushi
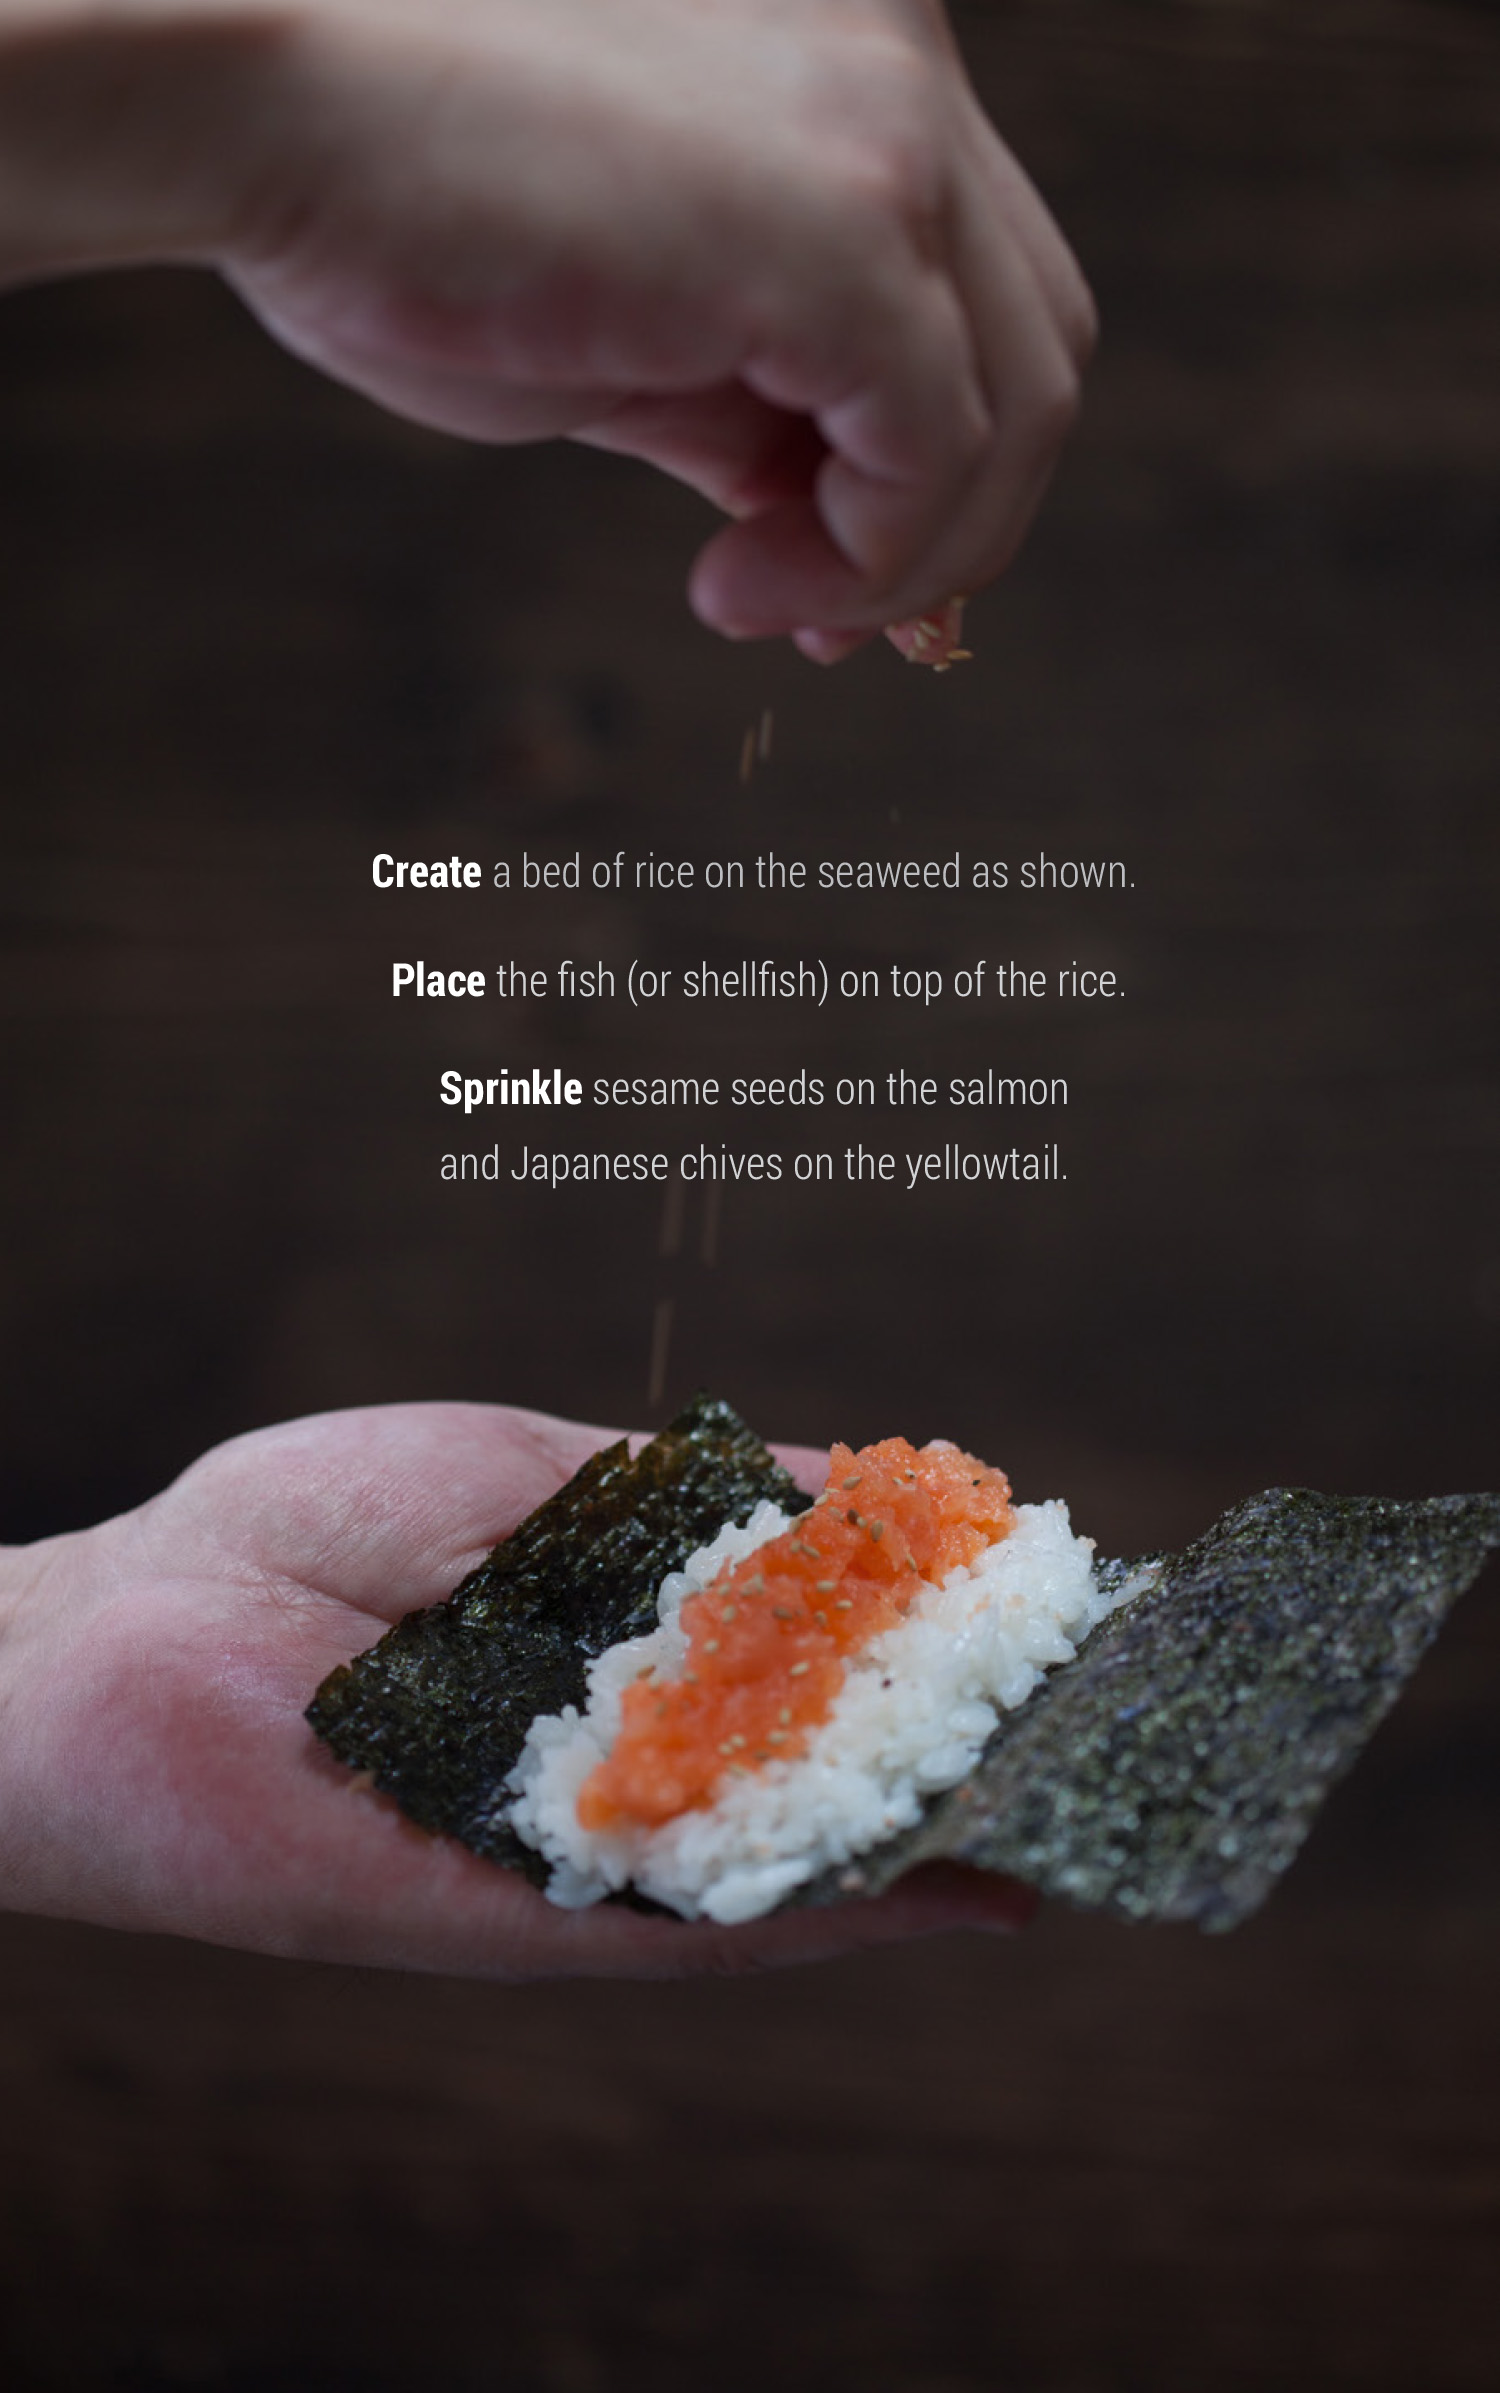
x: 156, y: 1769
x: 773, y: 247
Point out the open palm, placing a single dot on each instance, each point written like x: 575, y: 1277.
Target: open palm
x: 156, y: 1771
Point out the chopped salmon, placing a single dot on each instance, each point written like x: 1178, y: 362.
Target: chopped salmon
x: 769, y: 1640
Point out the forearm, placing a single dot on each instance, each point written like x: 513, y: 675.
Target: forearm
x: 123, y: 128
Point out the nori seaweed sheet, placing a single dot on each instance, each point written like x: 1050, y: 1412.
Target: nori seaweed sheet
x: 1170, y: 1772
x: 1173, y: 1769
x: 438, y: 1711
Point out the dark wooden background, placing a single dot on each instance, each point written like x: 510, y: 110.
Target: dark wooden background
x: 254, y: 631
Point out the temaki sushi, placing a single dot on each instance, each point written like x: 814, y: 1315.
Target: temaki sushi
x: 811, y: 1684
x: 679, y: 1680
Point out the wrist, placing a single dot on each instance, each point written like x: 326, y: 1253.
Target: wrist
x: 121, y: 128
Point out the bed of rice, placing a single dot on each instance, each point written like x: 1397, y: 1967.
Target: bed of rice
x: 913, y: 1716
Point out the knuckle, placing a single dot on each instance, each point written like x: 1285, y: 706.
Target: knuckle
x: 1080, y: 321
x: 977, y: 428
x: 1054, y: 409
x: 896, y: 159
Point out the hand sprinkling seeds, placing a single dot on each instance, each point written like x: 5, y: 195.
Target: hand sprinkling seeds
x: 933, y: 639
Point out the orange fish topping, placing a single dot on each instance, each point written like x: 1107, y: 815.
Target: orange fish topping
x: 768, y: 1640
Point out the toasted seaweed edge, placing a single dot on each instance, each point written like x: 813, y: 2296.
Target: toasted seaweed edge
x: 1195, y: 1813
x: 435, y: 1713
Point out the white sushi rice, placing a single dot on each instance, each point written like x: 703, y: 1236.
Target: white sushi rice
x: 913, y: 1715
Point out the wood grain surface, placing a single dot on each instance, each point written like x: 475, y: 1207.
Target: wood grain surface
x: 254, y: 631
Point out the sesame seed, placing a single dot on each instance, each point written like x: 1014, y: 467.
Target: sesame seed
x: 852, y: 1481
x: 776, y: 1736
x: 727, y: 1613
x: 784, y: 1716
x: 845, y: 1603
x: 798, y: 1669
x: 712, y: 1646
x: 825, y: 1586
x: 780, y: 1612
x: 877, y: 1528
